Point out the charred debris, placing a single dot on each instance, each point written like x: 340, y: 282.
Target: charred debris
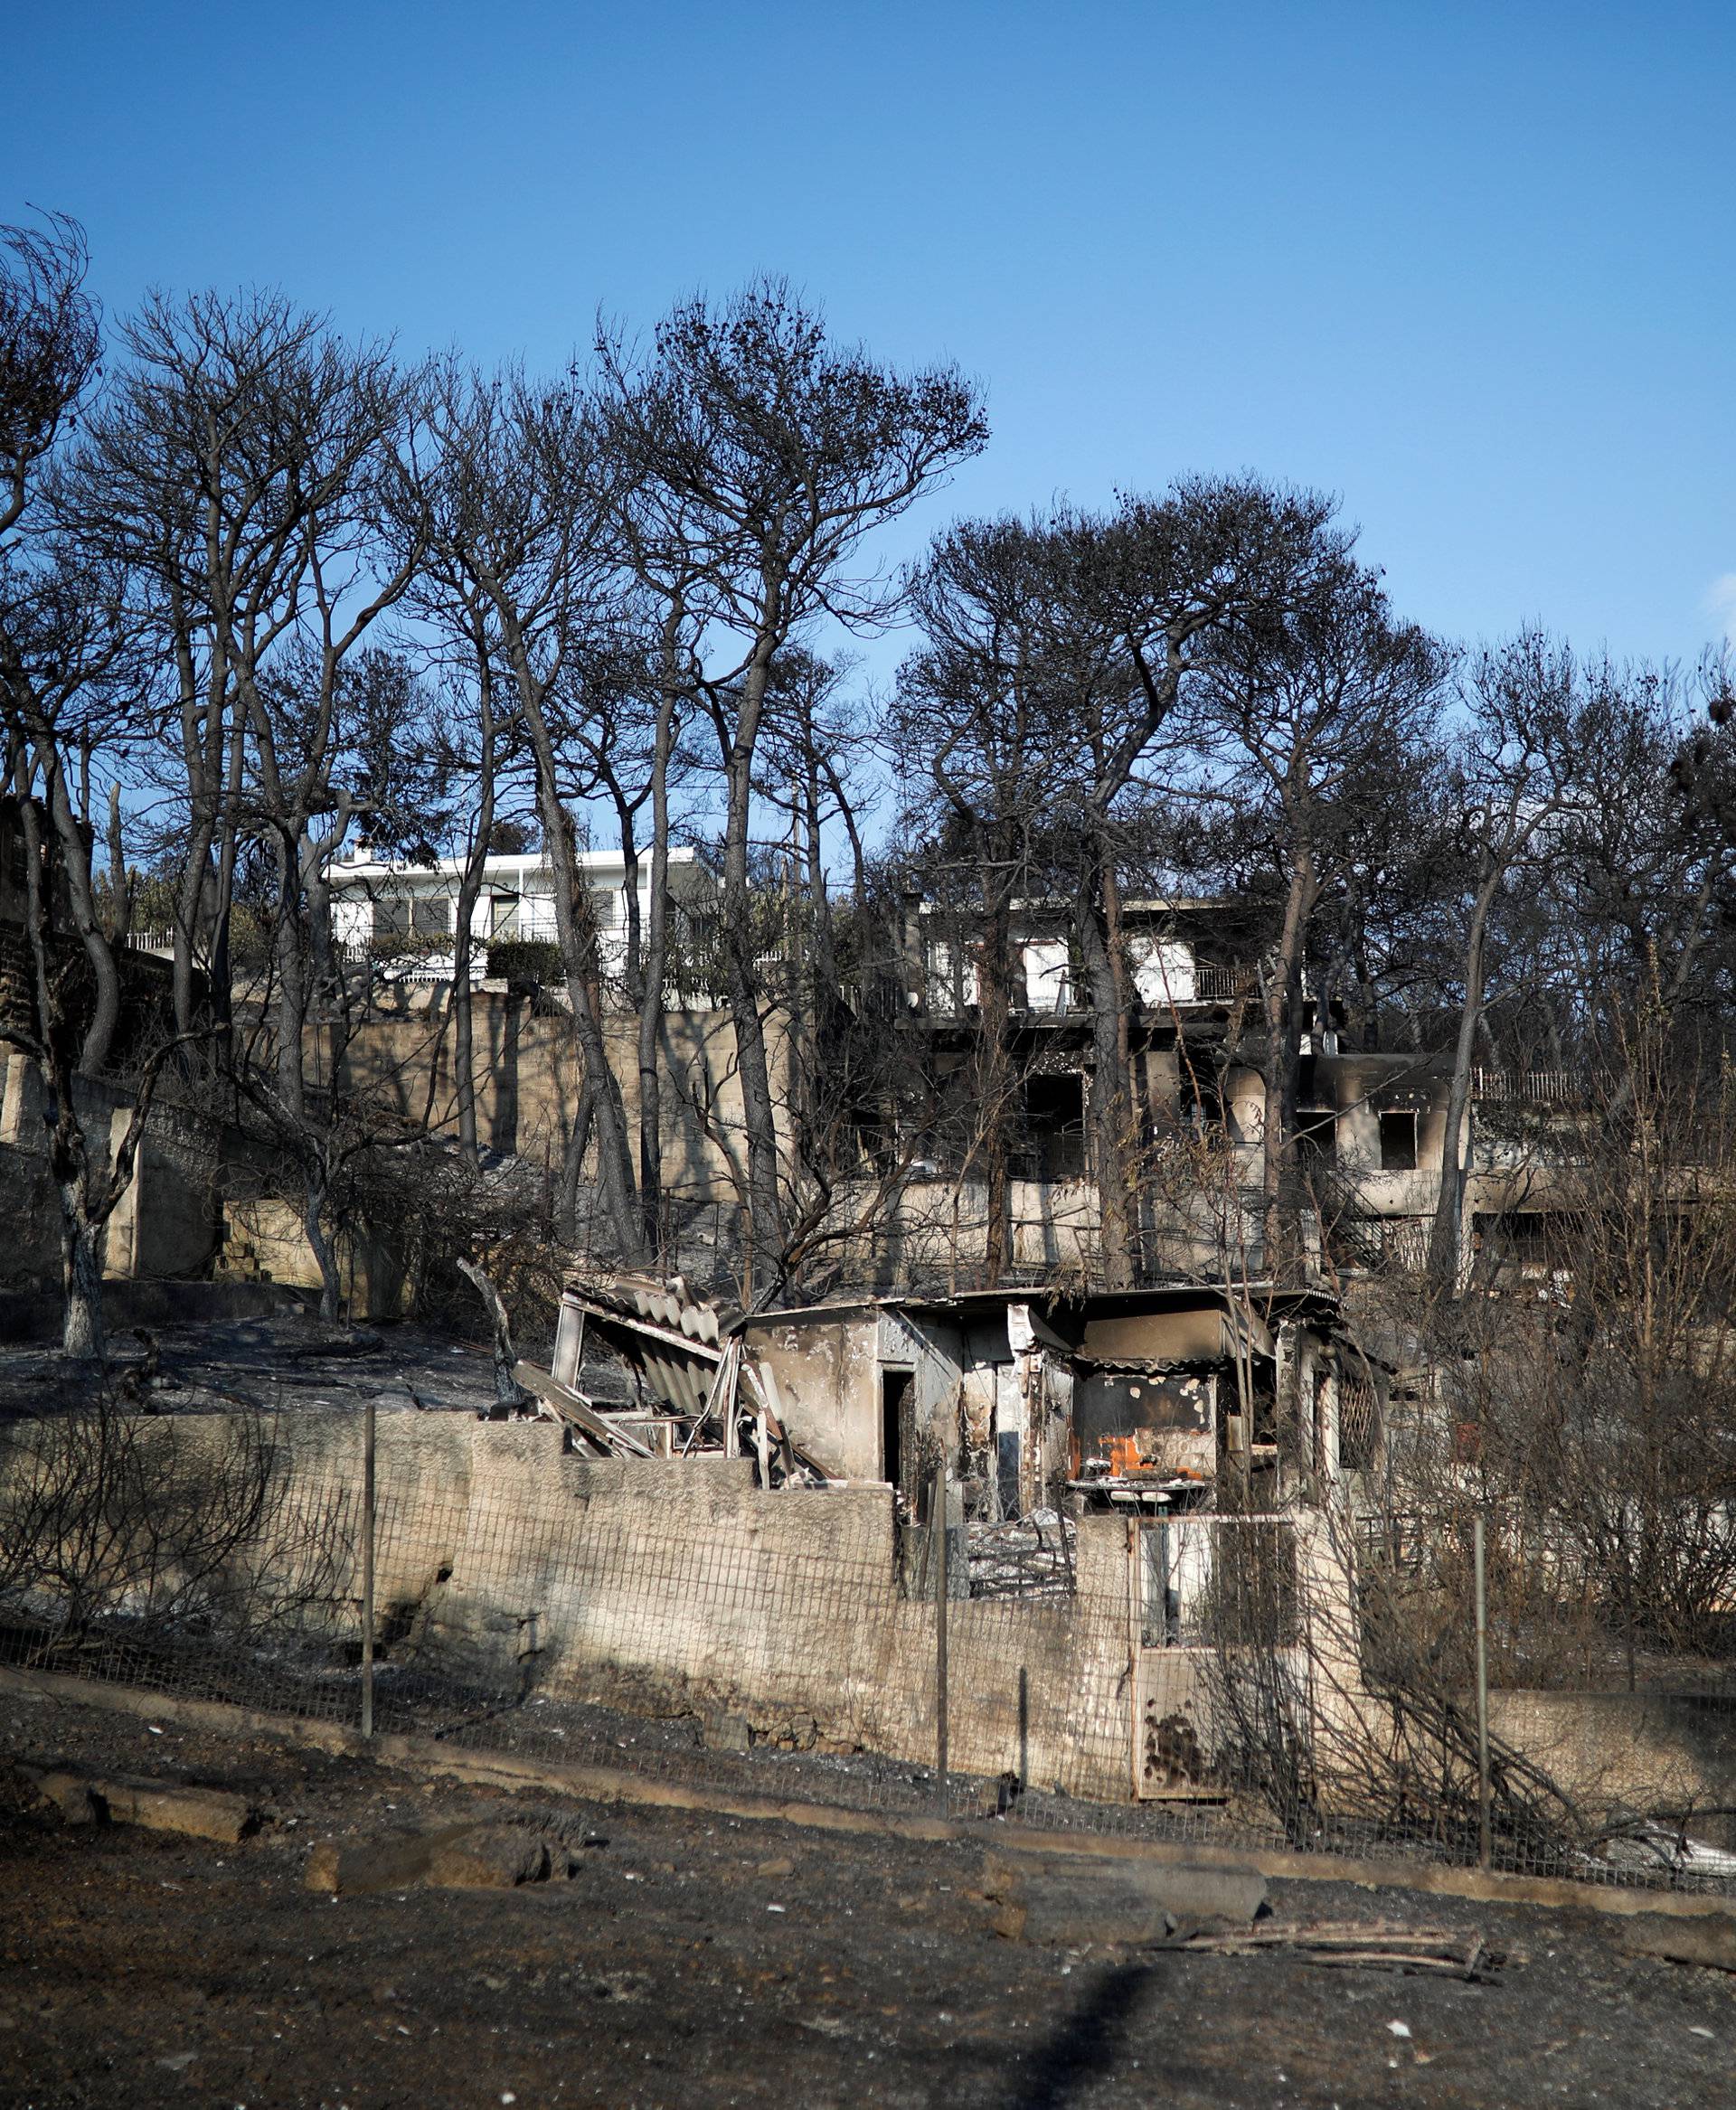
x: 1183, y: 1398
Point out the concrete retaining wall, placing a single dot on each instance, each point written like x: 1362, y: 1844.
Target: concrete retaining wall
x: 673, y: 1588
x: 528, y: 1083
x: 1657, y: 1752
x: 165, y: 1224
x: 679, y: 1587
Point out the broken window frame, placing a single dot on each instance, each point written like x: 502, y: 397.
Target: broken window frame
x: 1395, y: 1121
x: 1267, y: 1616
x: 1053, y: 1149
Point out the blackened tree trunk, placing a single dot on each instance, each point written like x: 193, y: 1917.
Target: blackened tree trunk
x: 757, y: 455
x: 575, y: 925
x: 765, y: 1227
x: 1282, y: 999
x: 1447, y: 1235
x: 81, y: 1246
x: 655, y: 942
x: 1109, y: 1110
x: 464, y: 1052
x: 995, y: 1116
x: 89, y: 1185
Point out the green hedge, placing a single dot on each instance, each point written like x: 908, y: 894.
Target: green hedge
x: 525, y: 959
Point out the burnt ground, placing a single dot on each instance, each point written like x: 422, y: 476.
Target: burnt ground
x: 694, y: 1960
x: 284, y: 1362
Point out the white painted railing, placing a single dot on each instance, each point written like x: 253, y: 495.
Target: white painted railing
x: 1534, y: 1086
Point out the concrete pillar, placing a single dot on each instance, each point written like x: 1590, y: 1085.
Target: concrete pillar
x: 122, y: 1252
x: 20, y: 1103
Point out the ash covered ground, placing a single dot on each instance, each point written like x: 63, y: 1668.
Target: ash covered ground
x: 283, y: 1363
x: 694, y: 1960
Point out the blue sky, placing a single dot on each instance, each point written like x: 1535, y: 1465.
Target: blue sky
x: 1469, y: 267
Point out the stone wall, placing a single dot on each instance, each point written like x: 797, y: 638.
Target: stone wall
x: 30, y: 1209
x: 265, y: 1240
x: 174, y: 1211
x: 17, y: 1008
x: 172, y: 1221
x: 505, y: 1563
x: 528, y: 1080
x: 677, y: 1587
x: 165, y: 1225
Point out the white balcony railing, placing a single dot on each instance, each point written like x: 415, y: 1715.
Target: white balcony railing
x: 1538, y: 1087
x: 1217, y: 984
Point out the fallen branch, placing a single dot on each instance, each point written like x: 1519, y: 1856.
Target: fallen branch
x: 1361, y: 1946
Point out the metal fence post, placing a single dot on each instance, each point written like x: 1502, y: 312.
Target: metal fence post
x: 938, y: 1526
x: 367, y: 1569
x: 1483, y: 1825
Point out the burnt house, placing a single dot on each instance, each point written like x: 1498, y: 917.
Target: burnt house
x: 1370, y: 1130
x: 1189, y: 980
x: 1148, y: 1399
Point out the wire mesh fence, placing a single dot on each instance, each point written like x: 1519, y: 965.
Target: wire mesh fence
x: 1169, y: 1679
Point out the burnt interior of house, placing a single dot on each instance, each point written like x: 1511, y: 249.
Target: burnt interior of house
x: 1398, y: 1139
x: 1130, y: 1414
x: 1053, y: 1143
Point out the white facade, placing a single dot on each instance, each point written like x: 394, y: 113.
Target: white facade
x: 375, y: 903
x: 1163, y: 968
x: 1045, y: 972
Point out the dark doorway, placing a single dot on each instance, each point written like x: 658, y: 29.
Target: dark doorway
x: 1316, y: 1136
x: 897, y: 1423
x: 1199, y: 1100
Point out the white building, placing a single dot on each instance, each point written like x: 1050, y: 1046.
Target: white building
x: 398, y: 913
x: 1162, y: 952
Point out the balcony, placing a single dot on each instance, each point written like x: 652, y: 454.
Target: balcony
x: 1535, y: 1087
x: 1060, y: 993
x: 1216, y: 982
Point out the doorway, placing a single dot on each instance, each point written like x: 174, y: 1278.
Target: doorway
x: 897, y: 1427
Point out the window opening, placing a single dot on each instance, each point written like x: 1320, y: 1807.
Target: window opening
x: 1399, y: 1141
x: 1054, y: 1126
x: 1317, y: 1134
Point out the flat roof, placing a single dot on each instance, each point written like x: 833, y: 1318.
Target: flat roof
x: 1168, y: 1296
x: 506, y: 864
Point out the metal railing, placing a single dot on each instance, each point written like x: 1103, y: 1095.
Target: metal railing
x: 1216, y: 983
x: 1538, y: 1087
x: 1207, y: 982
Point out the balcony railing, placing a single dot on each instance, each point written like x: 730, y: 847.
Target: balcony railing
x: 1537, y: 1087
x: 1062, y: 996
x: 1215, y: 983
